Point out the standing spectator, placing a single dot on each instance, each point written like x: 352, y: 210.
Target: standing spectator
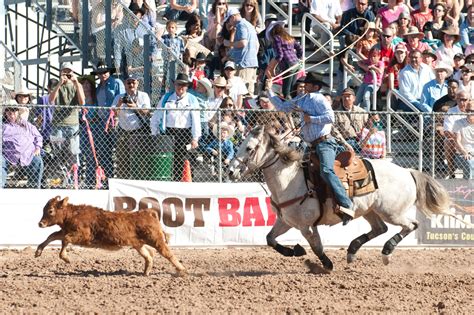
x: 244, y: 49
x: 176, y: 50
x: 411, y: 80
x: 203, y: 92
x: 414, y: 40
x: 422, y: 15
x: 203, y: 13
x: 216, y: 17
x: 222, y: 143
x: 354, y: 27
x: 351, y: 119
x: 390, y: 13
x: 183, y: 125
x: 44, y: 115
x: 22, y: 145
x: 265, y: 50
x: 329, y: 13
x: 464, y: 139
x: 250, y: 11
x: 366, y: 89
x: 180, y: 9
x: 132, y: 109
x: 65, y: 131
x: 288, y: 54
x: 373, y: 141
x: 448, y: 48
x: 462, y: 100
x: 106, y: 91
x: 436, y: 88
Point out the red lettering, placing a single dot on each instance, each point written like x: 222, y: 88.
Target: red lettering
x: 252, y: 212
x: 228, y: 211
x: 271, y: 215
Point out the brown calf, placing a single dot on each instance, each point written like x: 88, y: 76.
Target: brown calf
x: 93, y: 227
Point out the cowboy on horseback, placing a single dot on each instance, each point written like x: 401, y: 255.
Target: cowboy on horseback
x: 318, y: 118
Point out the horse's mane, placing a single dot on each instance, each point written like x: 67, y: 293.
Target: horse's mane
x: 286, y: 153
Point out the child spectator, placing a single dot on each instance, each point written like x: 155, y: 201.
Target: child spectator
x: 176, y: 46
x: 429, y: 58
x: 364, y: 45
x: 397, y: 64
x: 366, y: 89
x: 221, y: 142
x: 373, y: 143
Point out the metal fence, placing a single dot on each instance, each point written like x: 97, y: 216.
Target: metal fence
x: 83, y: 146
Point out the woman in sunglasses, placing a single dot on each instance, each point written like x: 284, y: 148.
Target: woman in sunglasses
x: 249, y: 11
x: 216, y: 19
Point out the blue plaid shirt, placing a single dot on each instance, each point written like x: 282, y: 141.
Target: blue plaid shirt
x: 176, y: 44
x: 317, y: 107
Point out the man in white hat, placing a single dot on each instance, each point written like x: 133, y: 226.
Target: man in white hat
x: 244, y: 48
x: 436, y: 88
x: 65, y: 125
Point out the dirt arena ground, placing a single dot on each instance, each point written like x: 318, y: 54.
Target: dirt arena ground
x: 238, y: 280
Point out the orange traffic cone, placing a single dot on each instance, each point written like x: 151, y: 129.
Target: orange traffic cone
x: 187, y: 172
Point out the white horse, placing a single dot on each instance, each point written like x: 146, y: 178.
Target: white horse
x: 398, y: 189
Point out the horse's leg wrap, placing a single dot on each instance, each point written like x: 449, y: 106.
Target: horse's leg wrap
x: 391, y: 244
x: 299, y: 250
x: 327, y: 263
x: 285, y: 251
x: 357, y: 243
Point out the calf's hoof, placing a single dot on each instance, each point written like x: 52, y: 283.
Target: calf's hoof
x: 182, y: 273
x: 38, y: 253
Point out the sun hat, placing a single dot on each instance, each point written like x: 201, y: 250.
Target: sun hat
x: 220, y: 81
x: 270, y: 17
x: 67, y: 65
x: 270, y: 27
x: 315, y: 78
x: 444, y: 67
x: 413, y: 31
x: 452, y: 31
x: 207, y: 85
x: 22, y: 91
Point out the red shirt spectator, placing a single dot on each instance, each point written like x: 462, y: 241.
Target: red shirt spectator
x: 422, y: 15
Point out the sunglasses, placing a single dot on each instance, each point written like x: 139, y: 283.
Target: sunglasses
x: 249, y: 5
x: 131, y: 82
x: 463, y: 99
x: 386, y: 36
x: 470, y: 111
x: 221, y: 3
x: 219, y: 87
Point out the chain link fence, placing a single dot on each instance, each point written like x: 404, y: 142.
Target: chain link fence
x: 81, y: 147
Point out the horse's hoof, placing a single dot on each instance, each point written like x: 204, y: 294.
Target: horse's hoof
x: 351, y: 258
x: 299, y: 250
x: 327, y: 263
x: 386, y: 259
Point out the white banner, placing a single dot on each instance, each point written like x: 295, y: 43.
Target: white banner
x: 218, y: 214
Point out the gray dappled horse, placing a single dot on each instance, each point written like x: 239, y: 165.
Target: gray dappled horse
x: 398, y: 189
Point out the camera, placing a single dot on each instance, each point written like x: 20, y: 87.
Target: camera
x: 126, y: 99
x: 68, y: 76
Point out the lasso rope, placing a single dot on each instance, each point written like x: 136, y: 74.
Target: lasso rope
x: 280, y: 75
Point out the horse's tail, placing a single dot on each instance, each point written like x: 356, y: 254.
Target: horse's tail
x: 431, y: 196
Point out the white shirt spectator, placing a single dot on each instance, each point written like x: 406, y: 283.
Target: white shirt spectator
x: 326, y: 9
x: 237, y: 88
x: 466, y: 130
x: 128, y: 119
x: 446, y: 55
x: 469, y: 88
x: 411, y: 82
x: 213, y: 103
x: 449, y: 120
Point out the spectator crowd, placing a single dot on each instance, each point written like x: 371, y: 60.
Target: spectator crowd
x: 222, y: 60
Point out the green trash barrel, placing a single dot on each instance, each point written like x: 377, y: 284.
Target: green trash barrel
x: 151, y: 157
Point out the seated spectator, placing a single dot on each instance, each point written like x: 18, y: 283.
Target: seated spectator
x: 193, y: 29
x: 463, y: 130
x: 149, y: 12
x: 414, y: 40
x: 184, y: 125
x: 398, y: 63
x: 216, y: 99
x: 222, y: 143
x: 237, y: 86
x: 422, y: 15
x: 449, y: 100
x: 197, y: 71
x: 458, y: 62
x: 132, y: 109
x: 366, y: 89
x: 386, y: 46
x: 467, y: 28
x: 180, y: 9
x: 434, y: 27
x: 453, y: 11
x: 390, y: 13
x: 351, y: 120
x: 23, y: 97
x: 436, y: 88
x: 466, y: 83
x: 363, y: 46
x: 448, y: 48
x: 396, y: 39
x: 373, y: 141
x: 429, y: 58
x: 353, y: 25
x: 22, y: 143
x: 250, y: 11
x: 462, y: 100
x: 412, y: 78
x: 404, y: 22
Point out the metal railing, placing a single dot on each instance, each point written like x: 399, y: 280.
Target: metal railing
x: 17, y: 66
x: 330, y: 52
x: 287, y: 15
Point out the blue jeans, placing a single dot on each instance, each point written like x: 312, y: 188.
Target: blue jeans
x: 202, y: 6
x: 364, y: 95
x: 467, y: 166
x: 326, y: 151
x: 34, y: 171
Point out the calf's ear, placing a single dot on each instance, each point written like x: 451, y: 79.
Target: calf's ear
x: 64, y: 202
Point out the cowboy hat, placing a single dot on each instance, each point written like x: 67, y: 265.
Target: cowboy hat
x: 223, y: 126
x: 413, y: 31
x: 207, y: 85
x: 22, y: 91
x: 444, y: 67
x: 134, y: 7
x: 270, y: 17
x: 103, y: 68
x: 182, y: 78
x: 452, y: 31
x: 270, y: 27
x: 67, y: 65
x: 201, y: 56
x: 315, y: 78
x: 220, y: 81
x: 12, y: 105
x: 428, y: 52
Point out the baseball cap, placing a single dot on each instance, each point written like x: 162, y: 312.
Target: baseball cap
x: 229, y: 64
x: 348, y: 90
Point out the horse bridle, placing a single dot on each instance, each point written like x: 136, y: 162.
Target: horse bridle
x: 272, y: 161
